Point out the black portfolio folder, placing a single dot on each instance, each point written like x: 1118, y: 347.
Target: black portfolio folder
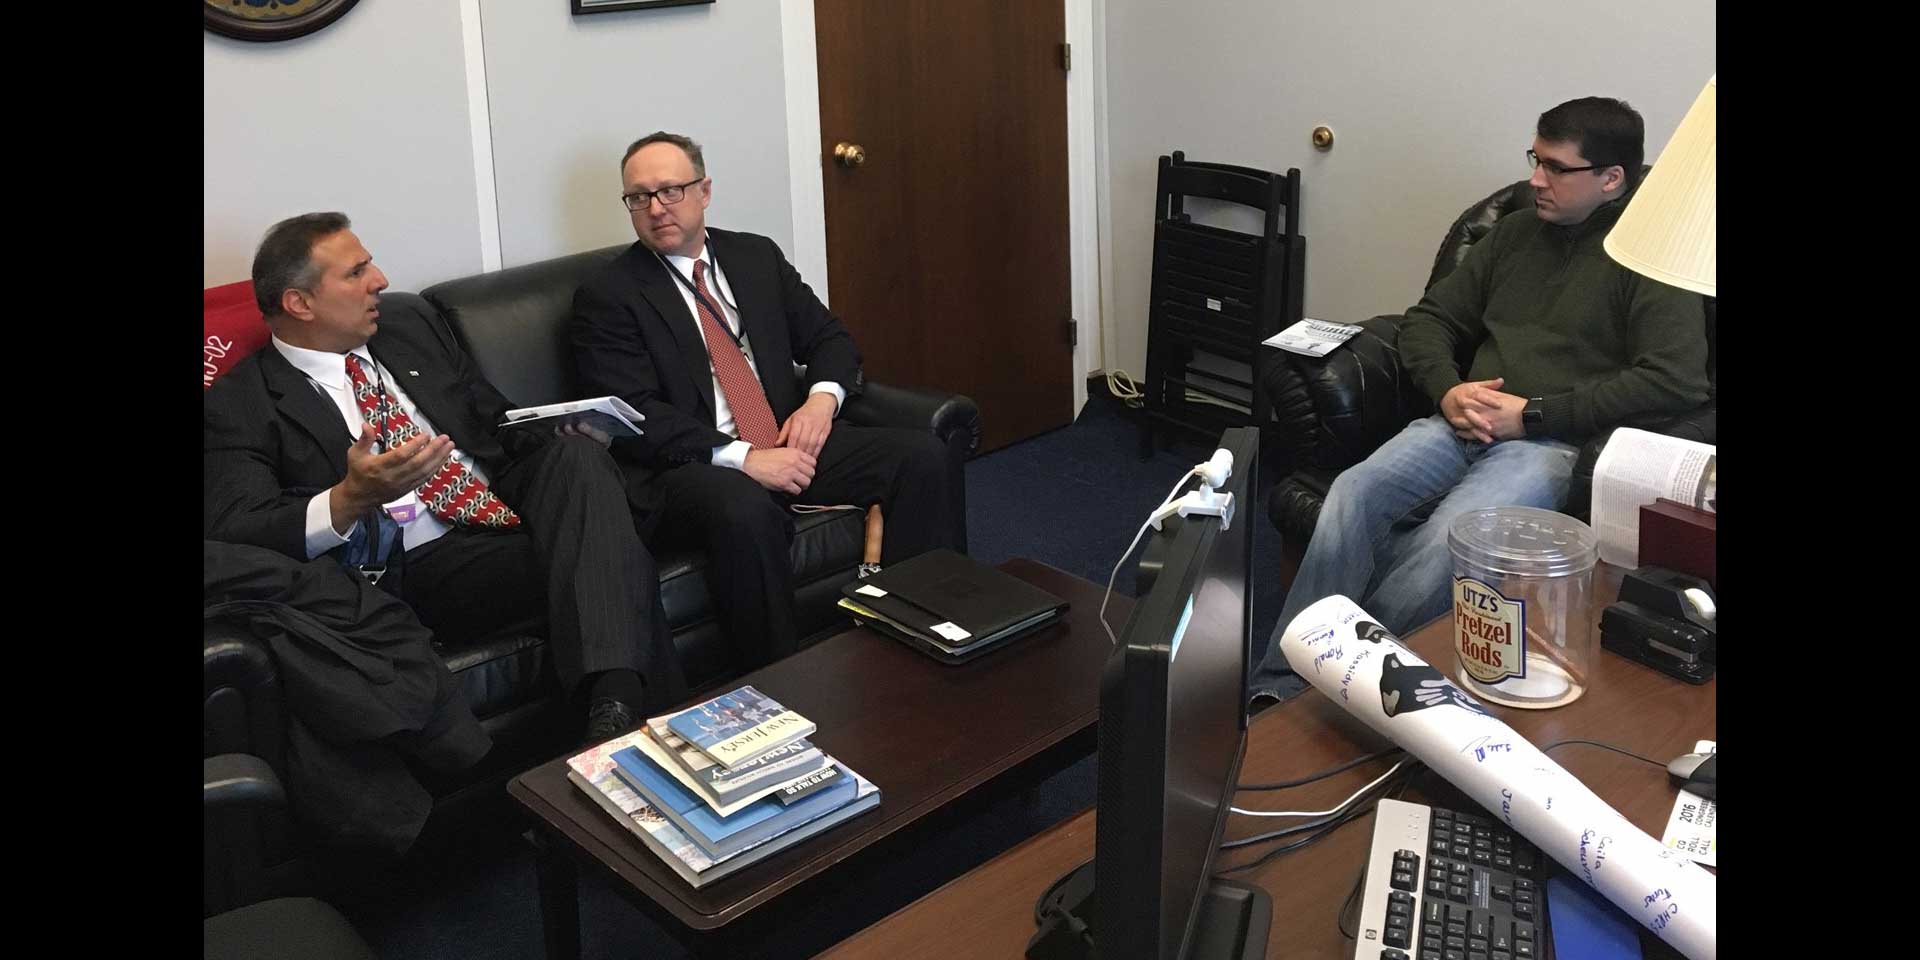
x: 950, y: 606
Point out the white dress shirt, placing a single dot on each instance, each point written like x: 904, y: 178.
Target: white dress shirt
x: 733, y: 454
x: 328, y: 374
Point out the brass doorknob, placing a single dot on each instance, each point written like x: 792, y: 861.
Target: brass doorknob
x: 849, y: 154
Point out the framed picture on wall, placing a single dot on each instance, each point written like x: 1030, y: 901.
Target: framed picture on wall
x: 269, y: 20
x: 608, y: 6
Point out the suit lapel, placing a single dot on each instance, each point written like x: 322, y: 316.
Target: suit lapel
x: 299, y: 401
x: 753, y: 302
x: 662, y: 292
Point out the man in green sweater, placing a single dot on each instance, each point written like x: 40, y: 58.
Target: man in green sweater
x: 1565, y: 343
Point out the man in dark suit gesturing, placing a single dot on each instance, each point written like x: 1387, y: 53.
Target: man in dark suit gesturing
x: 354, y: 420
x: 700, y: 329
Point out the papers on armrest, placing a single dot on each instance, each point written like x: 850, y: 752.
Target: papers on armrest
x: 1312, y: 338
x: 610, y: 415
x: 1638, y: 467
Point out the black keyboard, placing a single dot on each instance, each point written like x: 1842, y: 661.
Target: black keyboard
x: 1445, y: 885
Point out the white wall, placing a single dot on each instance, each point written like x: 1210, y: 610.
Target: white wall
x: 368, y: 117
x: 567, y: 94
x: 1432, y: 106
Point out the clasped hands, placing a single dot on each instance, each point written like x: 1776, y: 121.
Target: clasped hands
x: 1478, y: 410
x: 787, y: 467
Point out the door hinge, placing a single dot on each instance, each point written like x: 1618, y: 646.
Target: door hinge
x: 1066, y: 56
x: 1073, y: 332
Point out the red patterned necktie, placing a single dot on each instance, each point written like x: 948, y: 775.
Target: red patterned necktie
x: 453, y: 493
x: 752, y: 418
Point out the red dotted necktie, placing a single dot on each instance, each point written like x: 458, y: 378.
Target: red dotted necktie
x: 453, y: 494
x: 752, y: 418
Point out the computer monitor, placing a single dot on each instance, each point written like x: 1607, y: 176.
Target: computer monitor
x: 1172, y: 731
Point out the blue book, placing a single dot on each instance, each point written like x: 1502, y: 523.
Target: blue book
x: 719, y: 836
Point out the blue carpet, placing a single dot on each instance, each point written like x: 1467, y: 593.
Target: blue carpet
x: 1072, y: 498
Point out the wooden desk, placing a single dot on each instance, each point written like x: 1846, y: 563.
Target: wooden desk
x: 929, y: 734
x: 989, y: 912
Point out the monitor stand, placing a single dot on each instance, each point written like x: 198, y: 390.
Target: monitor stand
x: 1233, y: 923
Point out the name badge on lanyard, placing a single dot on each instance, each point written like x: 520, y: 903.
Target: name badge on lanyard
x: 718, y: 314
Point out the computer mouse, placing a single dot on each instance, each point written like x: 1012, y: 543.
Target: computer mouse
x: 1696, y: 773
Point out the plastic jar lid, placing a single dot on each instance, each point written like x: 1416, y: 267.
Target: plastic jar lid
x: 1523, y: 541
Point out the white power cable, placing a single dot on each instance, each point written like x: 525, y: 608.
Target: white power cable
x: 1322, y: 813
x: 1190, y: 474
x: 1124, y: 387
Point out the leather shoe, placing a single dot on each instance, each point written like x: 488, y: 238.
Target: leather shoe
x: 608, y: 718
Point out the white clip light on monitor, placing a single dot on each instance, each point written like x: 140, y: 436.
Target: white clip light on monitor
x: 1216, y: 470
x: 1208, y: 500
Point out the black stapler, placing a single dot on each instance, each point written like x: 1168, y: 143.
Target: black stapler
x: 1666, y: 620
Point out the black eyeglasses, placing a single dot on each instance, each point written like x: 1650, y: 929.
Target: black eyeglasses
x: 669, y: 195
x: 1555, y: 169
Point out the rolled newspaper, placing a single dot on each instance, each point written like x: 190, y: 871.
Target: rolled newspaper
x: 1363, y: 667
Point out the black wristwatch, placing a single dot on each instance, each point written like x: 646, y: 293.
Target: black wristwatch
x: 1533, y: 418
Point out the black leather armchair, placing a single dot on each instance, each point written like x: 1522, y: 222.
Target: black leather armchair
x: 239, y: 923
x: 1332, y: 412
x: 513, y: 322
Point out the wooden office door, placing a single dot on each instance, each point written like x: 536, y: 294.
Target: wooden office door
x: 947, y: 237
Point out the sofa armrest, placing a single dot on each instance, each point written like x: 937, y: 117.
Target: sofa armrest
x: 241, y: 800
x: 950, y: 416
x: 953, y: 418
x: 1331, y: 412
x: 242, y: 705
x: 240, y: 779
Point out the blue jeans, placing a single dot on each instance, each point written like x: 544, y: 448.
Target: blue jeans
x: 1381, y: 539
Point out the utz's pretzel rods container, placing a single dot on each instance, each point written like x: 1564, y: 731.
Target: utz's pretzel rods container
x: 1522, y: 586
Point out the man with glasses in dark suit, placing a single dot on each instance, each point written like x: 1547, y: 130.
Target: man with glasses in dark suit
x: 700, y: 329
x: 1565, y: 343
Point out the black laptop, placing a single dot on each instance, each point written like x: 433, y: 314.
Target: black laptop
x: 949, y: 606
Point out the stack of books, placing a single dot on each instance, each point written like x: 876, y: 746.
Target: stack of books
x: 722, y: 785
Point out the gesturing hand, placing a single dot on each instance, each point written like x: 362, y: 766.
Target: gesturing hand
x: 781, y: 469
x: 807, y: 429
x: 376, y: 478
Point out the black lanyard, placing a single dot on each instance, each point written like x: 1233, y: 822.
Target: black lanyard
x: 718, y: 314
x: 379, y: 400
x: 380, y: 404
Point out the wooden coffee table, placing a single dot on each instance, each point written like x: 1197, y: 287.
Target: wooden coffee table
x: 928, y: 734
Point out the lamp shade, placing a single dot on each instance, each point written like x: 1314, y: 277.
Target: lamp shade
x: 1668, y: 231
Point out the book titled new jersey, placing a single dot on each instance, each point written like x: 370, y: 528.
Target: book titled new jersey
x: 783, y: 762
x: 740, y: 726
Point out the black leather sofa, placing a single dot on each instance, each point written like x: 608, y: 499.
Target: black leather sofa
x: 513, y: 322
x: 1331, y: 412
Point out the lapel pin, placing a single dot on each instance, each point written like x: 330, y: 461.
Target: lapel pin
x: 413, y: 373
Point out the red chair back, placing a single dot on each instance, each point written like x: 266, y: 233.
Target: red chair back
x: 232, y: 326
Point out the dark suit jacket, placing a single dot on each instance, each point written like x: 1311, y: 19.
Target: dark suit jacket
x: 271, y: 441
x: 634, y: 338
